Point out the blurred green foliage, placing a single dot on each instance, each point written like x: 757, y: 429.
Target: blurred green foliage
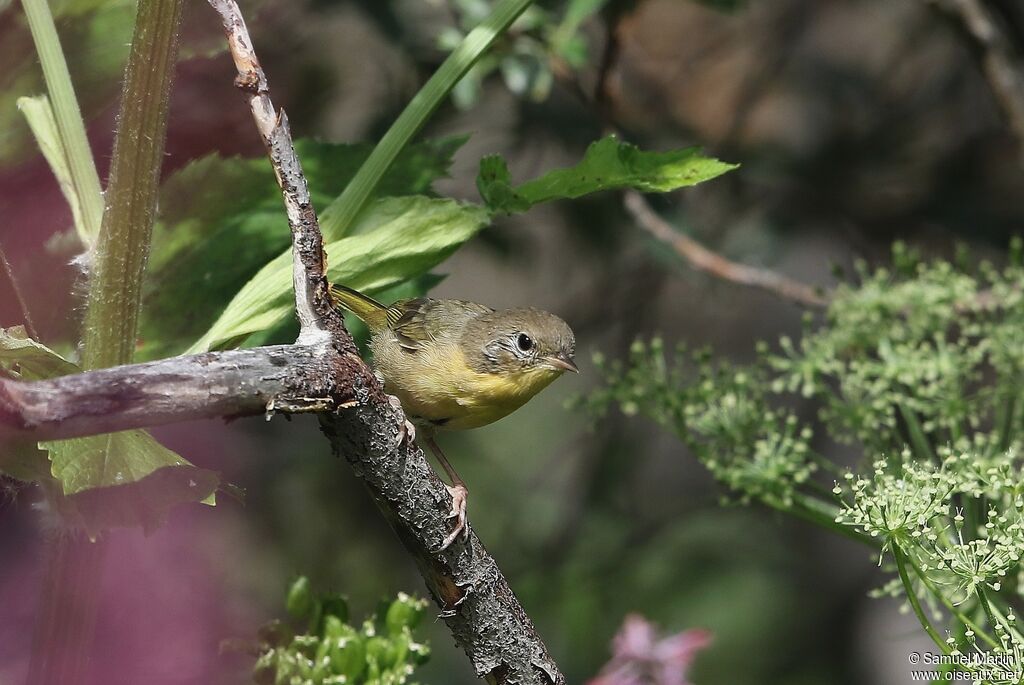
x: 330, y: 651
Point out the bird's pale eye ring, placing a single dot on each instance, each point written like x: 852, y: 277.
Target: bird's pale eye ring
x: 524, y: 342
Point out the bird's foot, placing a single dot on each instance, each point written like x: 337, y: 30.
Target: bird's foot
x: 460, y: 496
x: 407, y: 433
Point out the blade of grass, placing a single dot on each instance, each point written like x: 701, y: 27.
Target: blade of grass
x: 74, y: 143
x: 39, y: 115
x: 339, y: 215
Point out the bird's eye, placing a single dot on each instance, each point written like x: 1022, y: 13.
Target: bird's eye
x: 524, y: 342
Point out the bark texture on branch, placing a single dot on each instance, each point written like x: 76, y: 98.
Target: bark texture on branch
x: 477, y: 604
x: 285, y: 378
x: 476, y: 601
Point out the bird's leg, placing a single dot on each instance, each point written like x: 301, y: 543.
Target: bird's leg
x: 407, y: 433
x: 457, y: 490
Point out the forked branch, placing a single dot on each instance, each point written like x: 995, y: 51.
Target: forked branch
x: 321, y: 372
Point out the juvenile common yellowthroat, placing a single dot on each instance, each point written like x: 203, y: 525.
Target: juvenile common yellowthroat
x: 455, y: 365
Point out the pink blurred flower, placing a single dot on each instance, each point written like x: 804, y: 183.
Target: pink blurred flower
x: 639, y: 657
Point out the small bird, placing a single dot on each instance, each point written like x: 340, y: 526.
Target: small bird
x: 455, y: 365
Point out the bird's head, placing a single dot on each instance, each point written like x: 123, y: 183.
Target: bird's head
x: 521, y: 342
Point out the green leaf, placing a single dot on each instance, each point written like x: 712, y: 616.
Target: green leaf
x: 66, y: 120
x: 608, y: 164
x: 144, y: 502
x: 339, y: 216
x: 28, y: 359
x: 138, y: 477
x: 394, y: 240
x: 223, y: 220
x: 23, y: 460
x: 39, y: 116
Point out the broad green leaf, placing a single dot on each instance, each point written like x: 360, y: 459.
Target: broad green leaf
x: 223, y: 220
x: 110, y: 459
x: 394, y: 240
x: 144, y: 502
x: 23, y: 460
x: 126, y: 478
x: 608, y: 164
x: 139, y: 478
x: 288, y: 330
x: 31, y: 360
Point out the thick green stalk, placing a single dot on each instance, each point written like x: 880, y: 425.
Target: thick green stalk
x: 115, y: 288
x: 111, y: 318
x: 918, y: 439
x: 75, y: 144
x: 337, y: 218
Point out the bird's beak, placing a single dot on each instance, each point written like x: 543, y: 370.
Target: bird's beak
x: 563, y: 362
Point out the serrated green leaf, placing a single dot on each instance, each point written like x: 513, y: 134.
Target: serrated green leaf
x: 394, y: 240
x: 608, y: 164
x: 223, y: 220
x: 138, y: 477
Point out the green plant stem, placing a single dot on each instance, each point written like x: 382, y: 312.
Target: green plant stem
x: 917, y: 437
x: 70, y: 126
x: 339, y: 215
x: 915, y: 603
x: 115, y: 287
x: 824, y: 515
x: 986, y: 606
x: 960, y: 616
x: 110, y: 323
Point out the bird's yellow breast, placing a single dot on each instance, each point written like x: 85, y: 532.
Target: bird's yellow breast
x: 435, y: 384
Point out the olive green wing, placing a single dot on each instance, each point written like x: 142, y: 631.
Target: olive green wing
x: 424, y: 320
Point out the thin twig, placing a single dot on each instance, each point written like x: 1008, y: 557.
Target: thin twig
x: 317, y: 319
x: 709, y: 262
x: 694, y: 253
x: 1001, y: 61
x: 29, y: 326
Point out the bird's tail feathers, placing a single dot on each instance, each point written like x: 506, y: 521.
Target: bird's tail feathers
x: 372, y: 312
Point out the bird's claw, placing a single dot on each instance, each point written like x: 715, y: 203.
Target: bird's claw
x: 460, y: 497
x: 407, y: 433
